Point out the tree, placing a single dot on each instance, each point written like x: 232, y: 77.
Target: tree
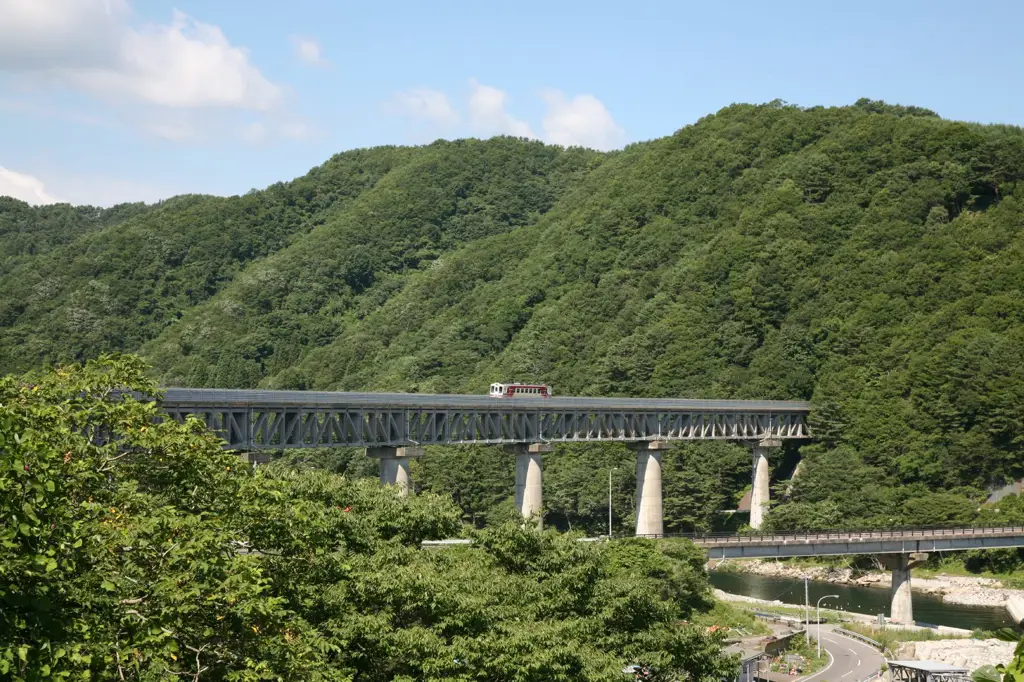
x: 139, y: 549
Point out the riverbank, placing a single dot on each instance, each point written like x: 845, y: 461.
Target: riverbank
x: 841, y: 616
x: 959, y: 649
x: 960, y: 590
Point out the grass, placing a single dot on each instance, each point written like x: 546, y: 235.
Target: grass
x: 891, y: 639
x: 798, y: 611
x: 812, y: 661
x: 728, y: 615
x: 1013, y: 580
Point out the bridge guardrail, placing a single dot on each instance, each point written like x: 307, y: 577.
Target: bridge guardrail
x: 768, y: 615
x: 860, y: 638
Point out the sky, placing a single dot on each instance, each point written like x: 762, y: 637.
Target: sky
x: 108, y: 101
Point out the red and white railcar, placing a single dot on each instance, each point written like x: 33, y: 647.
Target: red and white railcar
x: 513, y: 390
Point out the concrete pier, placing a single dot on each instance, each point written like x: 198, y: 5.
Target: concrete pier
x: 1015, y: 607
x: 901, y: 608
x: 760, y: 495
x: 394, y: 465
x: 529, y: 480
x: 649, y: 513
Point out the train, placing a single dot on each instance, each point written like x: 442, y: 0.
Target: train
x: 513, y: 389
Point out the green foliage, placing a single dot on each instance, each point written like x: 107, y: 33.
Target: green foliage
x: 153, y: 554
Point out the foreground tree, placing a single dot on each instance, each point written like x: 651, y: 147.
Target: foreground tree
x: 155, y: 556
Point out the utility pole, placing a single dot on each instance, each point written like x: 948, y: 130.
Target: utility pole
x: 807, y: 611
x: 610, y: 501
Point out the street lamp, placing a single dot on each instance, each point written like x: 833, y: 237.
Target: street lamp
x: 610, y: 501
x: 818, y: 608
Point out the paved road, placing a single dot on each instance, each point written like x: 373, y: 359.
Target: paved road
x: 852, y: 661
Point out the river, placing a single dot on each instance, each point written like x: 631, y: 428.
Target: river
x: 870, y: 600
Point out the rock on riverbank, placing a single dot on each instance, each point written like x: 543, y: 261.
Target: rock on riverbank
x: 963, y: 590
x: 967, y: 653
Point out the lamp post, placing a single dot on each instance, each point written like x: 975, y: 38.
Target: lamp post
x: 827, y: 596
x: 610, y: 501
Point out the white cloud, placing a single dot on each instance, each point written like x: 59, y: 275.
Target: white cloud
x: 24, y: 187
x: 42, y: 34
x: 254, y: 133
x: 309, y: 51
x: 96, y: 189
x: 80, y: 189
x: 425, y: 104
x: 488, y: 116
x: 582, y: 121
x: 90, y: 45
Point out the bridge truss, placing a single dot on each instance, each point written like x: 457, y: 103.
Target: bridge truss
x: 249, y: 420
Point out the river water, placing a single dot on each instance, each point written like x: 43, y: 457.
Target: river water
x: 870, y: 600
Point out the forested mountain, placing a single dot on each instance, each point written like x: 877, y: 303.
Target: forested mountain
x: 26, y: 231
x: 868, y: 258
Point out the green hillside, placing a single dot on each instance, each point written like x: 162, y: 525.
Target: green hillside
x: 869, y: 258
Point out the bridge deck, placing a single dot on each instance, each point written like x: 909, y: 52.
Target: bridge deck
x: 900, y: 541
x: 337, y: 399
x: 252, y: 419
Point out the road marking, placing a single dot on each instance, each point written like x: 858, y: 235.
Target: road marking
x: 831, y: 660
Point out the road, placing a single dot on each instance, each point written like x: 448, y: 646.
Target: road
x: 852, y: 661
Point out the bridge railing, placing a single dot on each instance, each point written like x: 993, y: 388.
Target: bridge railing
x: 818, y: 536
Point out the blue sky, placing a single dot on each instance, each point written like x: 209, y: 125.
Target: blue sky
x: 103, y: 101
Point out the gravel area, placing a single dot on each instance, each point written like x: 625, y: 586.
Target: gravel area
x: 967, y: 653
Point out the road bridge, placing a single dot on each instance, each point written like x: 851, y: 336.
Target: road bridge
x: 899, y: 550
x: 395, y: 427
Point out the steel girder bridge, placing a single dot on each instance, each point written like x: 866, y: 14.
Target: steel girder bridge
x: 255, y: 419
x: 837, y: 543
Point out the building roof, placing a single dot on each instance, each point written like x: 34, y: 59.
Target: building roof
x: 746, y: 653
x: 929, y: 666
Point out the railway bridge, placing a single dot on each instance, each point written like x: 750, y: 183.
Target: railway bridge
x: 394, y: 427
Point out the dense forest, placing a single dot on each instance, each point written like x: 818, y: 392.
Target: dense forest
x: 867, y: 258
